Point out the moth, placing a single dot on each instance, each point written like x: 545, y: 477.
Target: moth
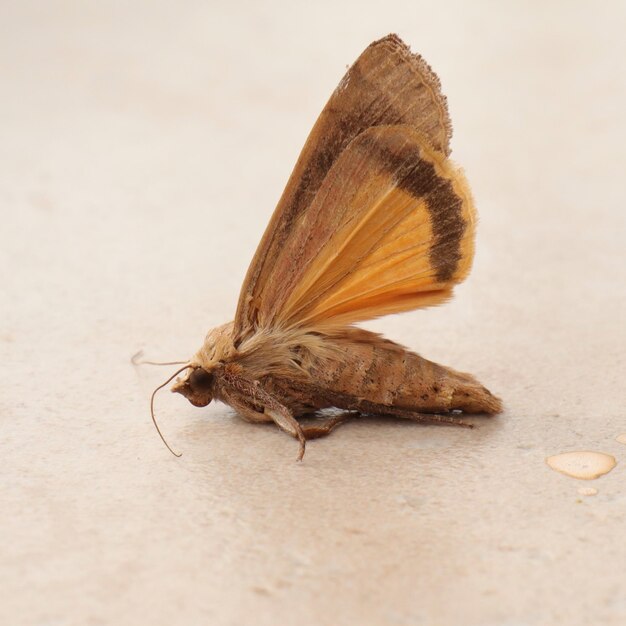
x: 375, y: 219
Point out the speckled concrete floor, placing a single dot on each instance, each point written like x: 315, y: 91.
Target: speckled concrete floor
x: 143, y: 146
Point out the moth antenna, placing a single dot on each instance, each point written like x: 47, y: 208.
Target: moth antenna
x: 182, y: 369
x: 137, y: 360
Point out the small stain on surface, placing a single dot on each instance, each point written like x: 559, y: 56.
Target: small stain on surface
x: 262, y: 591
x: 621, y: 438
x: 583, y: 464
x: 412, y: 502
x: 41, y: 201
x: 587, y: 491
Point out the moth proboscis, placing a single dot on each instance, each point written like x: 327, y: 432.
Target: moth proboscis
x: 375, y: 219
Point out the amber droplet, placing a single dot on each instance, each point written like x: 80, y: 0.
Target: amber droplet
x: 587, y: 491
x: 583, y: 464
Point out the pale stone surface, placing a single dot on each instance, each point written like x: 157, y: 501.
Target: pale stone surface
x: 141, y: 152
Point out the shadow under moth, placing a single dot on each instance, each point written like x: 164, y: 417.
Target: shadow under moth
x: 375, y: 219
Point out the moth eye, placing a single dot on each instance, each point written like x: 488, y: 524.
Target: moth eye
x: 200, y: 378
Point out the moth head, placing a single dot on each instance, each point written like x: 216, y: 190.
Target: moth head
x: 197, y: 386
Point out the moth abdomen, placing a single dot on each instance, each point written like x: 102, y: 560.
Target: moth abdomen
x: 383, y: 373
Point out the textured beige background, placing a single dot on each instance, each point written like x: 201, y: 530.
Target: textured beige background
x: 143, y: 146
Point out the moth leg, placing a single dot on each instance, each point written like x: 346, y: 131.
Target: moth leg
x: 325, y: 425
x: 244, y: 410
x: 287, y: 422
x: 251, y: 416
x: 428, y: 418
x: 244, y: 395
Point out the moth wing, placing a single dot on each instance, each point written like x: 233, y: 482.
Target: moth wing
x: 387, y: 85
x: 391, y: 229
